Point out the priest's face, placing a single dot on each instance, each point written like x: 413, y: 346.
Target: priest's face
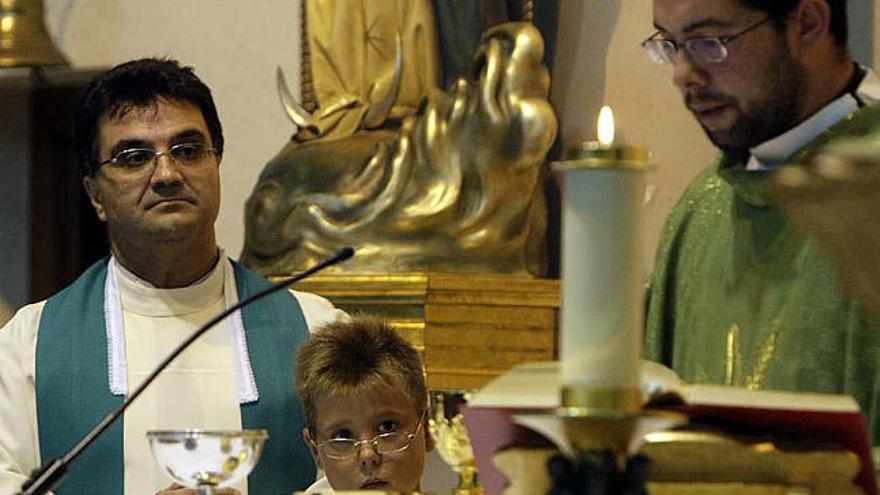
x: 750, y: 96
x: 170, y: 198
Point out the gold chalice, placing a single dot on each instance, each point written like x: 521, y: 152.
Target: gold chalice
x: 453, y: 444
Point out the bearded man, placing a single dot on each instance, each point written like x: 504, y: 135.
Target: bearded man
x: 739, y: 295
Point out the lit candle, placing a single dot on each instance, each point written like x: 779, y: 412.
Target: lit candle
x: 600, y: 336
x: 606, y: 127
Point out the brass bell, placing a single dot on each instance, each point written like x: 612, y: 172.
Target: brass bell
x: 24, y: 40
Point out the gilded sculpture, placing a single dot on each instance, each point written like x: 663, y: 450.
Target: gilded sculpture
x: 414, y: 177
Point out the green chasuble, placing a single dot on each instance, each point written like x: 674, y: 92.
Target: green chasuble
x: 73, y: 392
x: 739, y: 297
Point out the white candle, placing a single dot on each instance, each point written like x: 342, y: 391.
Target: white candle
x: 602, y: 307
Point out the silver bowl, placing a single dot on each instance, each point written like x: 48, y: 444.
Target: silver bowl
x: 205, y: 460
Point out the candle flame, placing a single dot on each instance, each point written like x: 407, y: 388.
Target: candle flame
x: 7, y: 23
x: 606, y: 126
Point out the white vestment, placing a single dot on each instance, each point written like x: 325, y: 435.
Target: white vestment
x: 198, y: 390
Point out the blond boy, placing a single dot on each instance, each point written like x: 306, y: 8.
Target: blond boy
x: 364, y: 396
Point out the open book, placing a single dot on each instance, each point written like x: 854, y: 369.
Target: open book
x: 534, y: 387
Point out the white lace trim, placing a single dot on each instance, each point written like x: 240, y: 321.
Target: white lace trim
x: 117, y: 365
x: 244, y: 373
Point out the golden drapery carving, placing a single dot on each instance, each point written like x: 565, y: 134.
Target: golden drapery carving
x: 453, y: 183
x: 352, y: 49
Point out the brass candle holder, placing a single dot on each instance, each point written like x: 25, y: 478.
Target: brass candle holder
x: 595, y: 154
x: 600, y: 419
x: 606, y: 428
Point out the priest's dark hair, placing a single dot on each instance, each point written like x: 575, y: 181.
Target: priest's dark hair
x: 780, y: 9
x: 135, y: 85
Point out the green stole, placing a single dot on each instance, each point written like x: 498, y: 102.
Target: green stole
x: 73, y: 393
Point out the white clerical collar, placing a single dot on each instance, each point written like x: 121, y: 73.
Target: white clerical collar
x: 778, y: 150
x: 117, y: 365
x: 137, y: 281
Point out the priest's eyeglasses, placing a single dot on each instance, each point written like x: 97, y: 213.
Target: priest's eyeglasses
x: 181, y: 154
x: 702, y: 49
x: 383, y: 443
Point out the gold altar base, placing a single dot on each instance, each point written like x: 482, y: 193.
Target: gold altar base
x: 725, y: 462
x: 470, y: 328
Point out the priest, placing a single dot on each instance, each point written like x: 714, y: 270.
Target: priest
x: 149, y: 146
x: 739, y: 295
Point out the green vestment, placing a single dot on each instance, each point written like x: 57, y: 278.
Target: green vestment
x: 739, y: 297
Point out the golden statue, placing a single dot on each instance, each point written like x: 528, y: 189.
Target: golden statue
x: 365, y: 64
x: 440, y: 192
x: 415, y: 178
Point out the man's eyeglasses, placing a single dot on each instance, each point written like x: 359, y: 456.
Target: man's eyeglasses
x: 181, y: 154
x: 703, y: 49
x: 383, y: 443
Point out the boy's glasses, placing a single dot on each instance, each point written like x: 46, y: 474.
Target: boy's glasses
x: 181, y: 154
x: 383, y: 443
x: 703, y: 49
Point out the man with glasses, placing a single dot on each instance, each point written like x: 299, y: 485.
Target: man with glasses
x: 740, y: 296
x: 149, y: 145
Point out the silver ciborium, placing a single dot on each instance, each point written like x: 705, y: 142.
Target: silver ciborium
x: 452, y: 441
x: 206, y: 460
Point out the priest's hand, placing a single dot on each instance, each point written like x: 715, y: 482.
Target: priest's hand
x: 835, y: 199
x: 176, y: 489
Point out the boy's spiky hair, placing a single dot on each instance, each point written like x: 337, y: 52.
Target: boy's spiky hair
x: 354, y: 355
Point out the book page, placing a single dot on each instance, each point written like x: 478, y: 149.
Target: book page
x: 528, y: 386
x: 720, y: 395
x: 536, y: 386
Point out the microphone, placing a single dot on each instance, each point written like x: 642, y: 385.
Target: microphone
x: 50, y: 474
